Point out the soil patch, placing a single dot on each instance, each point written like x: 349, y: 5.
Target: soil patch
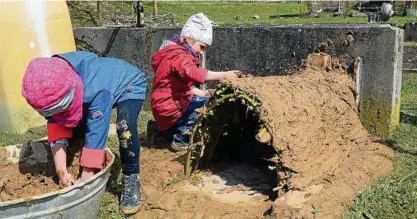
x: 217, y: 194
x: 27, y: 170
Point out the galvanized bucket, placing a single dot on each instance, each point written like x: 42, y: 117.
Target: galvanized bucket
x: 78, y: 201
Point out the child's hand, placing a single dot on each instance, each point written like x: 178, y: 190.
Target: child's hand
x: 85, y: 175
x: 65, y: 178
x: 231, y: 74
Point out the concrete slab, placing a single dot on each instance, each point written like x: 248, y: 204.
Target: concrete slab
x: 279, y: 49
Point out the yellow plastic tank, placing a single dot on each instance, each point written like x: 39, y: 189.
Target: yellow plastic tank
x: 28, y: 29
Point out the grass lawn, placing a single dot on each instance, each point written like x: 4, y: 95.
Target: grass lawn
x: 226, y: 12
x: 409, y: 92
x: 222, y: 13
x: 410, y: 44
x: 31, y: 135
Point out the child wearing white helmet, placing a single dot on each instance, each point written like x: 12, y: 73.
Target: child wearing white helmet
x: 177, y: 69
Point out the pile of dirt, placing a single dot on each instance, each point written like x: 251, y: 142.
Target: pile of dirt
x: 22, y: 182
x: 323, y: 155
x: 27, y: 170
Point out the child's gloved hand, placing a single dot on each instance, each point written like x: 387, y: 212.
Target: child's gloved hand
x: 65, y: 178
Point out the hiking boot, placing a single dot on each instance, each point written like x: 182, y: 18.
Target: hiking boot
x: 131, y: 198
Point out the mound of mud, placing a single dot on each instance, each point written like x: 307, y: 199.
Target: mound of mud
x: 304, y: 128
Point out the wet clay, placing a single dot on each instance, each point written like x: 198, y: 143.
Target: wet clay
x: 18, y: 183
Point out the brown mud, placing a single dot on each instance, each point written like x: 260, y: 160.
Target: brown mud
x: 322, y: 154
x: 34, y: 173
x: 18, y: 183
x: 313, y: 120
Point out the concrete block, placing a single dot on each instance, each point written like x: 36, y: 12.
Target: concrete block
x: 130, y: 44
x: 278, y: 50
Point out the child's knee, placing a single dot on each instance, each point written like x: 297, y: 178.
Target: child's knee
x: 123, y: 133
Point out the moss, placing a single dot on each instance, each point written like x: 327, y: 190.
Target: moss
x: 395, y: 116
x: 378, y: 116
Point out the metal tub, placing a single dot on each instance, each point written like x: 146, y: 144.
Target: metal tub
x: 78, y: 201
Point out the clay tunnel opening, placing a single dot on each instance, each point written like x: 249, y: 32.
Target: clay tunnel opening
x: 231, y: 149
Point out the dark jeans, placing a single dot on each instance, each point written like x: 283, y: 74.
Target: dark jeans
x: 127, y: 115
x: 127, y: 131
x: 188, y: 119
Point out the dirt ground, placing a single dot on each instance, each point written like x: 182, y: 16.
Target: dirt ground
x: 204, y: 195
x: 313, y: 119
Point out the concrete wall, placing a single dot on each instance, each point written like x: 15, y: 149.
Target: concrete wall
x: 277, y: 50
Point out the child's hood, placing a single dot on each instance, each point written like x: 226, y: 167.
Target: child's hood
x: 167, y: 53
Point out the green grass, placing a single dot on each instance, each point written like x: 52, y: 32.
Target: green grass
x: 226, y: 12
x: 222, y: 13
x: 410, y: 44
x: 409, y: 92
x: 31, y: 135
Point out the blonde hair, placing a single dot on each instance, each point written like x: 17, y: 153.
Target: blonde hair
x: 188, y: 40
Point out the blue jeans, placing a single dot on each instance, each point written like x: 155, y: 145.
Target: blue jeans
x: 127, y: 131
x: 188, y: 119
